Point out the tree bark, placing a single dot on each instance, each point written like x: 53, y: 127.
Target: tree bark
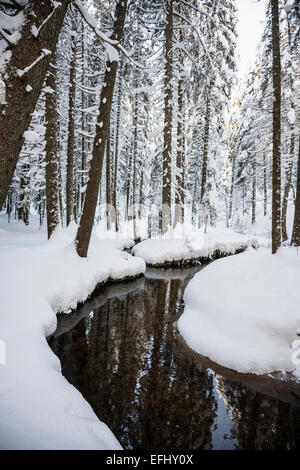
x: 116, y: 159
x: 206, y: 142
x: 296, y: 225
x: 179, y: 197
x: 70, y: 189
x: 87, y: 218
x: 265, y: 185
x: 108, y: 182
x: 287, y: 187
x: 276, y: 173
x: 52, y: 151
x: 167, y: 155
x: 15, y: 114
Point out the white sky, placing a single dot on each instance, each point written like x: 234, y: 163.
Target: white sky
x: 251, y: 16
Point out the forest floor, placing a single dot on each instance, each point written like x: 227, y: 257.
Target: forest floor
x: 251, y: 326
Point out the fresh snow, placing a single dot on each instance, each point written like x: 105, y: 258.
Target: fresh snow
x: 197, y: 245
x: 243, y: 311
x: 39, y: 409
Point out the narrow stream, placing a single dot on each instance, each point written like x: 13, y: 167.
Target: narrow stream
x: 122, y: 351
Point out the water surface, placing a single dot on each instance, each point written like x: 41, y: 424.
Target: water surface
x: 122, y: 351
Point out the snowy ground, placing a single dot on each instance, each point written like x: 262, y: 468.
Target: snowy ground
x: 251, y: 324
x: 196, y: 245
x: 39, y: 409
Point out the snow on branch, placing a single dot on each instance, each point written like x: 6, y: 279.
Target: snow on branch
x: 45, y: 52
x: 36, y: 31
x: 112, y: 46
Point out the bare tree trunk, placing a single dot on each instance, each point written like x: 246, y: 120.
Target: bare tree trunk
x: 206, y: 142
x: 265, y: 185
x: 179, y: 197
x: 70, y: 193
x: 276, y: 174
x: 23, y: 209
x: 232, y: 187
x: 287, y: 187
x: 25, y: 53
x: 108, y: 182
x: 87, y: 218
x: 83, y: 121
x: 116, y: 159
x: 296, y: 225
x: 167, y: 155
x: 52, y: 151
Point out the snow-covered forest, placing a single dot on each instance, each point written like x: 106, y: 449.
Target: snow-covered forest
x: 132, y: 148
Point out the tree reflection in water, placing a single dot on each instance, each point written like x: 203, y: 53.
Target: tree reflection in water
x: 122, y: 352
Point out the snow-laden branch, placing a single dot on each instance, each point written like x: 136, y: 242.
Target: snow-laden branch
x: 112, y: 46
x: 36, y: 31
x: 45, y: 52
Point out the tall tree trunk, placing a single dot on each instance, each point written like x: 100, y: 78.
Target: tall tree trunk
x: 276, y: 173
x: 24, y: 54
x: 83, y: 120
x: 108, y: 182
x: 70, y: 189
x: 167, y: 150
x: 232, y: 186
x: 296, y: 225
x: 179, y: 197
x: 287, y: 187
x: 52, y: 151
x: 265, y: 184
x: 116, y: 156
x: 206, y: 142
x: 87, y: 218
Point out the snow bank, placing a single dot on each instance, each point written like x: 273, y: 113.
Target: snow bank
x: 39, y: 409
x: 251, y: 324
x: 199, y: 245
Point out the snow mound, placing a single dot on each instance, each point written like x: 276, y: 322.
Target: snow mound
x: 251, y: 324
x: 200, y: 245
x: 39, y: 409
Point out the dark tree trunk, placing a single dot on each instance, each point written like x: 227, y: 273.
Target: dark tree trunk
x: 296, y: 226
x: 108, y: 182
x: 167, y: 155
x: 52, y: 151
x: 276, y: 173
x: 179, y: 197
x: 206, y: 142
x: 265, y: 185
x: 83, y: 121
x: 232, y: 187
x: 14, y: 116
x: 87, y: 218
x: 70, y: 189
x: 116, y: 159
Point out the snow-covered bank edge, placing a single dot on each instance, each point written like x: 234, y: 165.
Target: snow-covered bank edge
x: 284, y: 387
x: 251, y: 325
x: 39, y: 409
x: 200, y: 249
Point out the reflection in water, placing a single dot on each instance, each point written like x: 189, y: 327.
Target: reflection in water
x: 121, y: 350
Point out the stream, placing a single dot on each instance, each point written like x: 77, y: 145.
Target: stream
x: 122, y: 351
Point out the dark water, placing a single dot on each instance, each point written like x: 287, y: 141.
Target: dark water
x: 121, y: 350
